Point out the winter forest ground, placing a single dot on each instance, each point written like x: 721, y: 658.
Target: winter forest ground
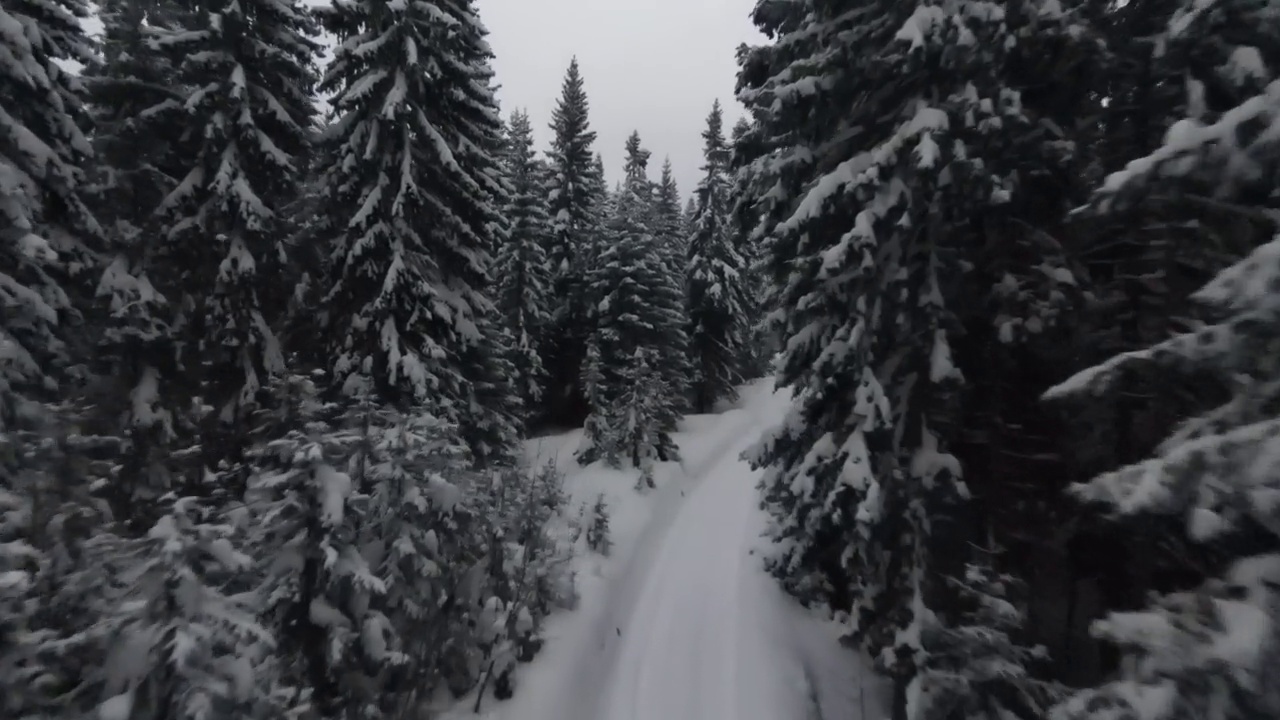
x: 680, y: 621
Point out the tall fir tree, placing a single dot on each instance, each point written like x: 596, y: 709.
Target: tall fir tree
x: 744, y: 218
x: 714, y: 279
x: 868, y: 220
x: 667, y: 217
x: 523, y: 272
x: 411, y: 223
x: 49, y: 237
x: 673, y: 243
x: 49, y: 242
x: 638, y: 315
x: 249, y: 68
x: 142, y: 148
x: 573, y: 225
x: 1204, y: 650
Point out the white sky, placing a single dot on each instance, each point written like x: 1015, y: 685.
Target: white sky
x: 648, y: 65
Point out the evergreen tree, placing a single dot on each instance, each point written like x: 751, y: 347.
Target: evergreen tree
x: 179, y: 642
x: 1205, y: 651
x: 638, y: 316
x: 142, y: 150
x: 645, y: 408
x: 744, y: 218
x: 673, y: 242
x: 302, y: 498
x: 714, y: 279
x: 48, y: 236
x: 411, y: 223
x: 870, y: 210
x: 249, y: 66
x: 49, y: 245
x: 667, y: 218
x: 570, y: 204
x: 524, y: 276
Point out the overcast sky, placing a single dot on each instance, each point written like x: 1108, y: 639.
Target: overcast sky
x: 648, y: 65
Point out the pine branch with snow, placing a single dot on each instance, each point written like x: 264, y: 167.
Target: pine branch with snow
x: 179, y: 641
x: 1205, y: 652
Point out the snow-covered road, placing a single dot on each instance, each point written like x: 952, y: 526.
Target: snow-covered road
x: 688, y: 626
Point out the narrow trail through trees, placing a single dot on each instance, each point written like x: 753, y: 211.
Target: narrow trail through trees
x: 692, y: 627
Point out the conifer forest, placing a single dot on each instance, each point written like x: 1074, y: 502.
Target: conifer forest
x: 978, y: 300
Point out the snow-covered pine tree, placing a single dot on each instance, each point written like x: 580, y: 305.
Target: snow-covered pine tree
x: 48, y: 237
x: 143, y: 149
x: 644, y: 409
x: 529, y: 571
x: 49, y: 245
x: 597, y: 534
x: 638, y: 310
x: 523, y: 272
x: 673, y: 242
x: 1209, y: 651
x: 302, y: 501
x: 714, y: 277
x: 410, y: 538
x: 570, y: 202
x: 491, y: 431
x: 50, y: 591
x: 667, y: 218
x: 745, y: 223
x: 491, y: 427
x: 410, y: 222
x: 1204, y: 652
x: 597, y: 430
x: 879, y: 141
x: 602, y: 206
x: 249, y: 70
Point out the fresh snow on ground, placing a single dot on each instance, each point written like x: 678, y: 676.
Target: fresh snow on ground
x: 680, y: 621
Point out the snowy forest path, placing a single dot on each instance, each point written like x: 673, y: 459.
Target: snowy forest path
x: 691, y: 627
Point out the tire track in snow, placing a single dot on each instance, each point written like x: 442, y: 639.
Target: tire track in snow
x: 694, y: 614
x: 577, y: 690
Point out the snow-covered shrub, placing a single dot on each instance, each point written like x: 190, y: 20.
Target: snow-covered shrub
x: 51, y: 587
x: 975, y: 668
x: 529, y: 574
x: 644, y: 413
x: 305, y: 540
x: 598, y: 529
x: 178, y: 640
x: 599, y: 436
